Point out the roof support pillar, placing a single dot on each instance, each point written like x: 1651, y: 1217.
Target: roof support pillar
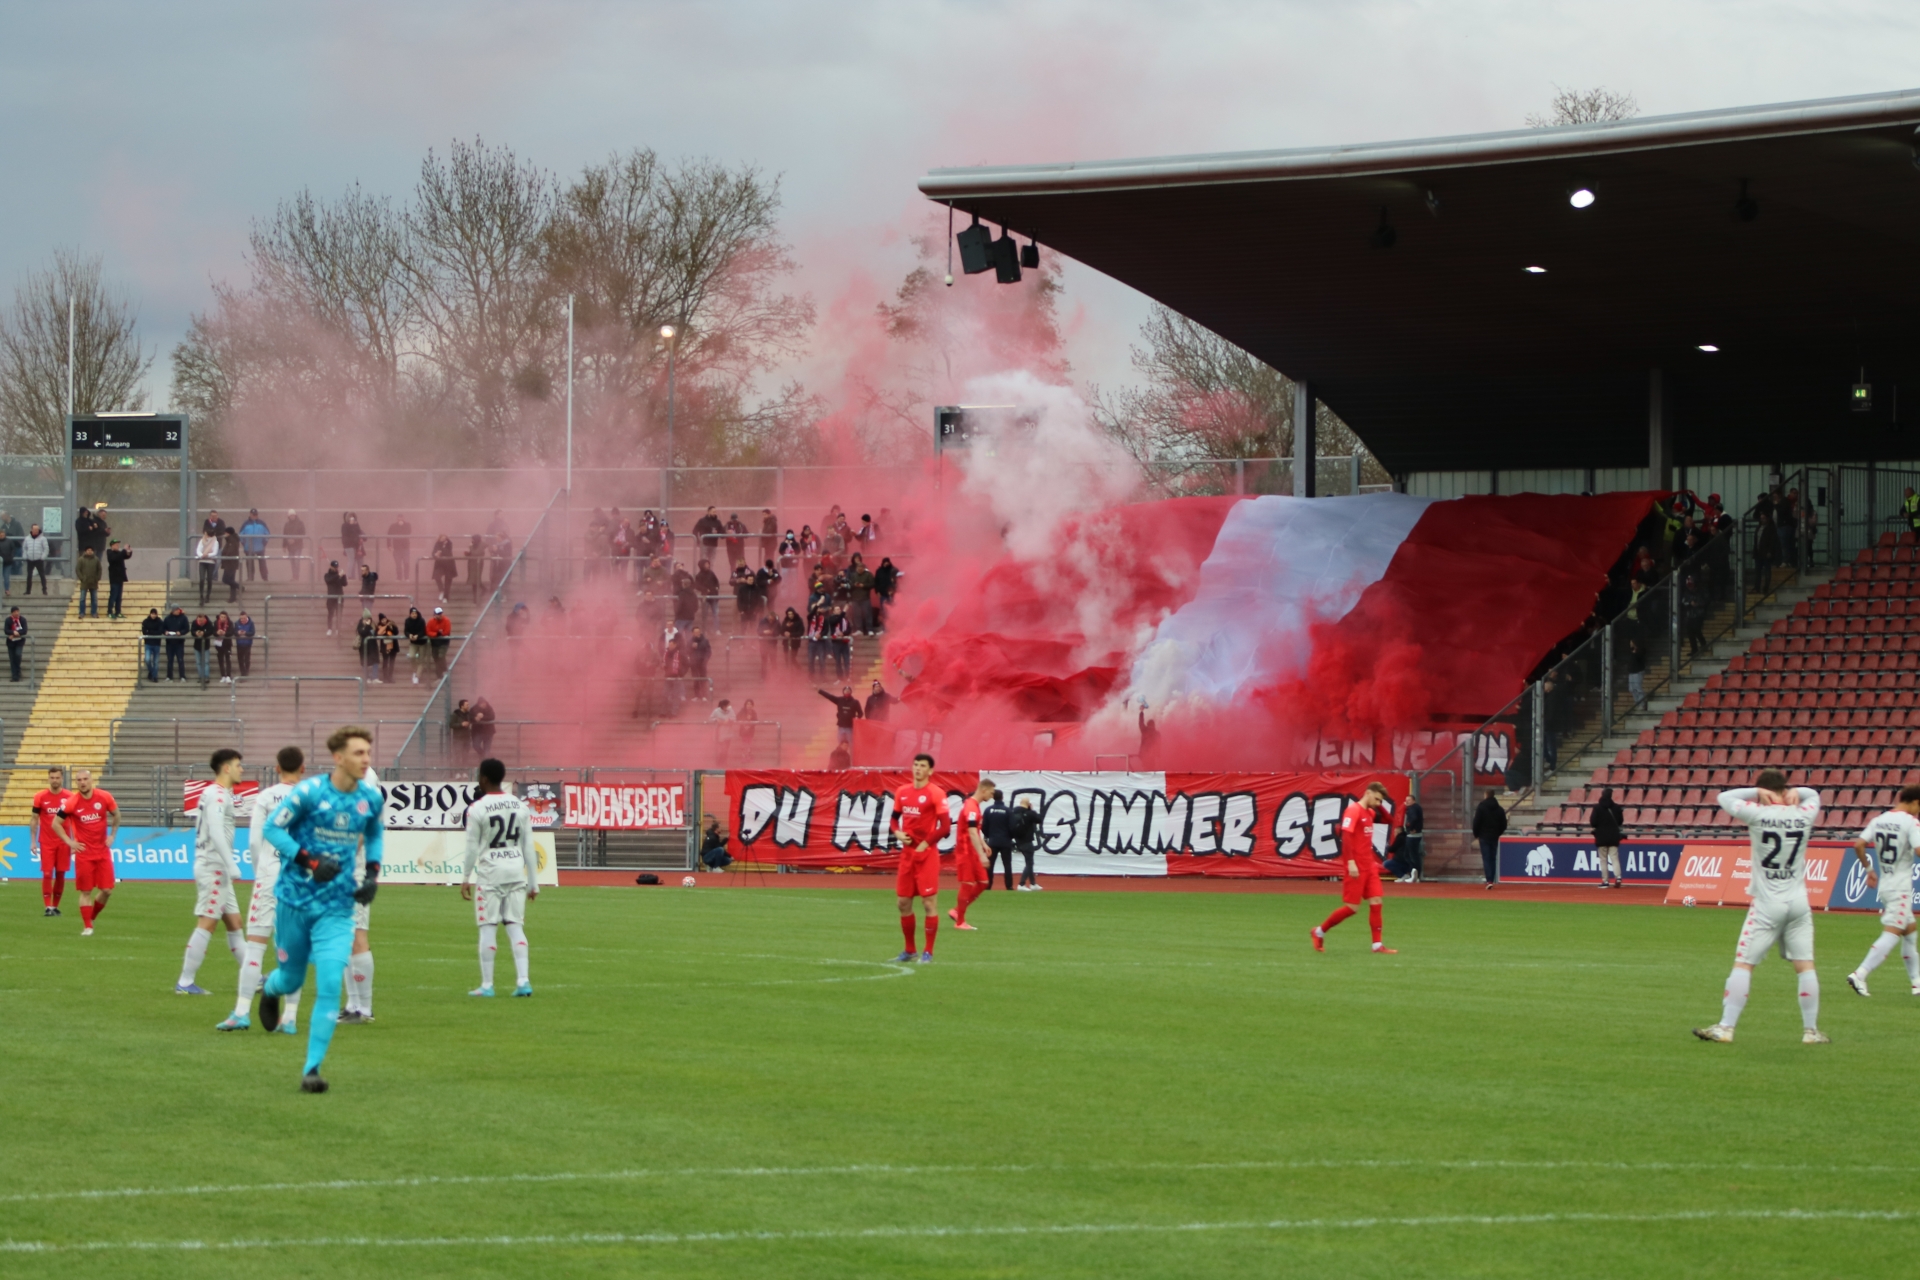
x: 1659, y: 433
x: 1306, y: 443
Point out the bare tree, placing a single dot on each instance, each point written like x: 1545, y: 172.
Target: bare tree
x: 1202, y: 398
x: 1584, y: 106
x: 108, y: 363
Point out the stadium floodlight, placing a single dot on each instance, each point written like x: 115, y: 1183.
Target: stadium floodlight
x: 1581, y: 197
x: 1535, y: 271
x: 1708, y: 347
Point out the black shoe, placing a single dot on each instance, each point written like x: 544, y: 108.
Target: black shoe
x: 269, y: 1012
x: 53, y: 911
x: 46, y: 910
x: 312, y: 1083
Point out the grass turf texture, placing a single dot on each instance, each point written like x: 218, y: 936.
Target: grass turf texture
x: 1140, y: 1084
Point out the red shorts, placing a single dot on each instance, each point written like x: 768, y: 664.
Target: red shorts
x: 968, y: 868
x: 919, y: 874
x: 56, y: 854
x: 1354, y: 889
x: 92, y: 871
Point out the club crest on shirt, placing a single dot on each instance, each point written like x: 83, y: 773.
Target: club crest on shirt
x: 340, y: 821
x: 360, y: 807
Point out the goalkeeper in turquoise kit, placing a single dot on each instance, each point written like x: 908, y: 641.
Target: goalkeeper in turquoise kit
x: 317, y: 830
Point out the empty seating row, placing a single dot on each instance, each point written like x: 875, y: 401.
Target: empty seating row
x: 1745, y: 728
x: 1648, y: 823
x: 1786, y: 640
x: 1711, y: 780
x: 1854, y: 696
x: 1631, y: 797
x: 1840, y: 661
x: 1800, y: 678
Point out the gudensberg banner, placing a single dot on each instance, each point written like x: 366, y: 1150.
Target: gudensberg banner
x: 1139, y: 824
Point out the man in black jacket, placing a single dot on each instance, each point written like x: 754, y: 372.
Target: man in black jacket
x: 996, y: 828
x: 1023, y: 824
x: 336, y: 594
x: 1489, y: 824
x: 1413, y: 826
x: 118, y: 553
x: 846, y: 709
x: 1607, y: 819
x: 151, y: 629
x: 175, y: 628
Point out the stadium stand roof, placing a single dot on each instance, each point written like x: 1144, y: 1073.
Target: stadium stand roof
x: 1444, y: 352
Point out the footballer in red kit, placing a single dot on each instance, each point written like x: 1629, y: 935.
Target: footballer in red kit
x: 1360, y: 869
x: 919, y: 821
x: 970, y: 854
x: 50, y: 841
x: 91, y: 820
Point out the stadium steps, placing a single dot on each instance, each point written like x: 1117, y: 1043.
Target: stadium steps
x: 45, y: 616
x: 90, y: 670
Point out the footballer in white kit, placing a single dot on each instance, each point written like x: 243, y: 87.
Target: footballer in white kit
x: 1780, y: 820
x: 501, y: 859
x: 1886, y: 845
x: 214, y: 870
x: 262, y: 906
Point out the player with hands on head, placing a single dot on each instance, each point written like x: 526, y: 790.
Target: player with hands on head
x: 501, y: 858
x: 1780, y: 820
x: 1886, y: 846
x: 215, y: 870
x: 261, y: 911
x: 1360, y: 869
x: 317, y: 830
x: 920, y: 820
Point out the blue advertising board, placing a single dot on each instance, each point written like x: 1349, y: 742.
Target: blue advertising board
x: 1851, y: 892
x: 139, y: 853
x: 1548, y: 861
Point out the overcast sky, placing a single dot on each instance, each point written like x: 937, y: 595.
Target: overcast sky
x: 152, y: 133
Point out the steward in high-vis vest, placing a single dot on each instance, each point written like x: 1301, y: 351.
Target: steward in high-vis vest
x: 1910, y: 508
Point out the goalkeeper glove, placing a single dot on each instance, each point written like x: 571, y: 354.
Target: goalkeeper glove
x: 321, y: 866
x: 364, y: 894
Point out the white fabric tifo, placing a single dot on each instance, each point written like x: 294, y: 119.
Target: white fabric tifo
x: 1067, y: 803
x: 1279, y: 565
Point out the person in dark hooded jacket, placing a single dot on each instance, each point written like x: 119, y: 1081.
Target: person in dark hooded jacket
x: 1607, y: 818
x: 1489, y: 824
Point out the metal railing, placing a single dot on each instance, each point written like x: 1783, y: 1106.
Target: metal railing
x: 236, y: 733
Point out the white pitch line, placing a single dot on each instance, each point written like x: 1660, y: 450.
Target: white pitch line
x: 936, y: 1233
x: 895, y: 1170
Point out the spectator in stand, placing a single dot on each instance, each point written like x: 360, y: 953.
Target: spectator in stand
x: 369, y: 583
x: 840, y: 759
x: 223, y: 645
x: 117, y: 557
x: 736, y: 541
x: 707, y: 532
x: 793, y: 633
x: 748, y: 721
x: 846, y: 709
x: 699, y: 654
x: 439, y: 636
x: 151, y: 629
x: 1693, y: 617
x: 840, y: 639
x: 202, y: 633
x: 17, y: 643
x: 620, y: 549
x: 502, y: 550
x: 818, y: 657
x: 598, y: 538
x: 860, y: 596
x: 293, y: 543
x: 460, y: 730
x: 389, y: 646
x: 769, y: 534
x: 336, y: 595
x: 1636, y: 671
x: 366, y: 637
x: 723, y: 720
x: 1766, y: 548
x: 1607, y: 818
x: 713, y: 847
x: 177, y: 628
x: 86, y: 577
x: 34, y: 554
x: 400, y: 547
x: 768, y: 629
x: 477, y: 565
x: 686, y: 601
x: 444, y: 568
x: 243, y: 633
x: 484, y: 719
x: 254, y: 535
x: 1489, y: 824
x: 809, y: 543
x: 9, y: 553
x: 230, y: 564
x: 886, y: 581
x: 90, y: 531
x: 352, y: 542
x: 673, y: 669
x: 880, y: 708
x: 497, y: 527
x: 706, y: 585
x: 788, y: 552
x: 1023, y: 823
x: 744, y: 596
x: 868, y: 533
x: 1413, y: 827
x: 416, y: 632
x: 766, y: 584
x: 214, y: 524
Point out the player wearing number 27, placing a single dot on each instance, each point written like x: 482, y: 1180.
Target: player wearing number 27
x: 500, y: 856
x: 1780, y: 819
x: 1891, y: 837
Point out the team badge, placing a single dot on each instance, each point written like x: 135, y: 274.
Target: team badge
x: 361, y: 808
x: 340, y: 821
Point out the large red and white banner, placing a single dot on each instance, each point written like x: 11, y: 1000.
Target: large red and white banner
x: 595, y: 806
x: 1138, y: 824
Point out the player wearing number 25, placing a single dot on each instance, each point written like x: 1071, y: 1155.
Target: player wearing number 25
x: 1887, y: 847
x: 1780, y: 819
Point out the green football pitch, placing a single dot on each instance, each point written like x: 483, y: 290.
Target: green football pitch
x: 734, y: 1082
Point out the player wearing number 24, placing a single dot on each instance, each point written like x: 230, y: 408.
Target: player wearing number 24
x: 500, y: 856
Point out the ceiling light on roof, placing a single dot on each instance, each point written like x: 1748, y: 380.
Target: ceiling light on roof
x: 1708, y: 347
x: 1536, y: 271
x: 1580, y: 197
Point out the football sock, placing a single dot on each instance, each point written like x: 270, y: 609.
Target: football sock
x: 1882, y: 948
x: 237, y: 944
x: 486, y: 954
x: 59, y: 887
x: 1910, y: 952
x: 517, y: 936
x: 906, y: 930
x: 1340, y: 913
x: 249, y: 978
x: 933, y: 927
x: 360, y: 992
x: 1739, y: 982
x: 46, y: 887
x: 289, y: 1007
x: 99, y: 905
x: 196, y: 952
x: 86, y: 914
x: 1373, y: 919
x: 1810, y: 999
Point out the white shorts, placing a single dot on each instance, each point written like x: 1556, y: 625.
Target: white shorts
x: 362, y: 912
x: 1790, y: 924
x: 213, y: 894
x: 1896, y: 911
x: 263, y: 909
x: 499, y: 904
